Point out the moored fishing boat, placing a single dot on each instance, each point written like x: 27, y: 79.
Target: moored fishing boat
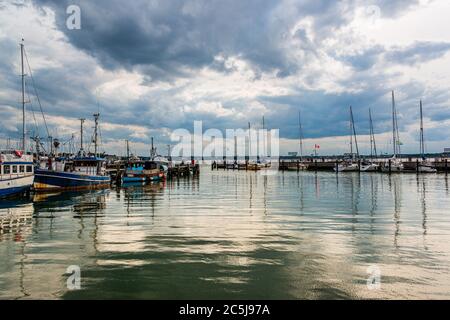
x: 82, y: 172
x: 77, y: 173
x: 142, y: 171
x: 16, y: 173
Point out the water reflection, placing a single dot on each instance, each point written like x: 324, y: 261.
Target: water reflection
x: 233, y: 235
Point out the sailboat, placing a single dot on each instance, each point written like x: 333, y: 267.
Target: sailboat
x: 16, y: 167
x: 370, y: 166
x: 252, y: 165
x: 424, y: 166
x: 394, y: 164
x: 301, y: 165
x: 264, y: 162
x: 78, y: 173
x: 349, y: 165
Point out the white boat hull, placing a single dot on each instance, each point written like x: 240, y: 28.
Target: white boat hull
x: 347, y: 168
x: 426, y: 169
x: 17, y: 185
x: 370, y: 168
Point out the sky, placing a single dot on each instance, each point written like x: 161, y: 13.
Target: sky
x: 150, y: 67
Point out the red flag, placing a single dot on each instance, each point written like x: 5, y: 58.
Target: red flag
x: 316, y: 146
x: 18, y: 153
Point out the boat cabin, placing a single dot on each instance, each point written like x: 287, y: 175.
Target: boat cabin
x: 14, y: 164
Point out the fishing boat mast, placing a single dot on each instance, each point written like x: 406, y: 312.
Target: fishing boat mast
x: 152, y: 151
x: 23, y: 97
x: 96, y: 116
x: 81, y: 135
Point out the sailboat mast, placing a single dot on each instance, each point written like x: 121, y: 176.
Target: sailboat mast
x: 264, y: 138
x: 373, y: 145
x: 394, y: 140
x: 249, y: 141
x: 300, y: 135
x: 351, y: 134
x: 422, y: 140
x: 23, y: 98
x: 354, y: 131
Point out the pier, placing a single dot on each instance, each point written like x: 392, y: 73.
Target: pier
x: 179, y: 170
x: 411, y: 164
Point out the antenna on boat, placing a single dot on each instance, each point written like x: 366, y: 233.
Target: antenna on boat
x: 81, y: 136
x: 96, y: 116
x: 23, y: 96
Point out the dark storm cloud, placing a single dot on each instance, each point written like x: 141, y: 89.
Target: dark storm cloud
x: 166, y: 35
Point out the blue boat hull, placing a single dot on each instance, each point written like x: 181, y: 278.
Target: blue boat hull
x: 46, y: 180
x: 132, y: 179
x: 10, y: 192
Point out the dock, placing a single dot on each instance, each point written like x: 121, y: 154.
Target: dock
x: 176, y: 171
x: 411, y: 164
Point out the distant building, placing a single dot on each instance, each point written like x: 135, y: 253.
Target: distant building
x: 447, y: 151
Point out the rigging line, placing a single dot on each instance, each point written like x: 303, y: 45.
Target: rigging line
x: 31, y: 108
x: 36, y: 93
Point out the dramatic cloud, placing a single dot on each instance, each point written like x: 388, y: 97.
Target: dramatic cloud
x: 153, y: 66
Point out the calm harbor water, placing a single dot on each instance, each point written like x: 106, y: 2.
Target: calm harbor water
x: 234, y: 235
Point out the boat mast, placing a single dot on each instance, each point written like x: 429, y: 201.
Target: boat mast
x: 373, y: 145
x: 128, y: 150
x: 300, y: 134
x: 354, y: 131
x: 249, y: 142
x: 264, y: 138
x: 23, y: 97
x: 351, y: 135
x: 81, y: 136
x: 422, y: 140
x: 96, y: 116
x: 152, y: 151
x: 394, y: 140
